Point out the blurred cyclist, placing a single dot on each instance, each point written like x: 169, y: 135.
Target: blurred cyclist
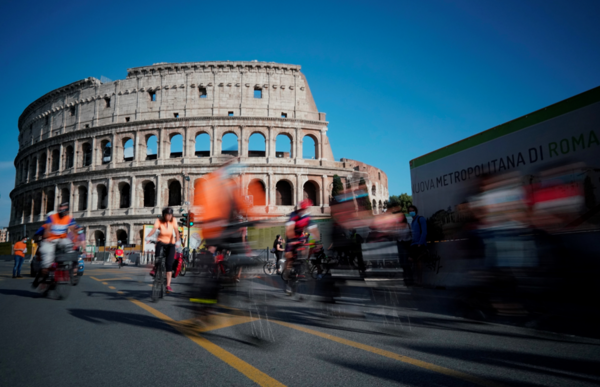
x: 295, y: 228
x: 119, y: 254
x: 167, y: 241
x: 56, y: 229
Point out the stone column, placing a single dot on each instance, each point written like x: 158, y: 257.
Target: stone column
x: 324, y: 194
x: 107, y: 236
x: 297, y: 146
x: 61, y: 155
x: 136, y: 151
x: 322, y: 143
x: 299, y: 189
x: 56, y: 197
x: 75, y: 145
x: 133, y: 199
x: 159, y: 144
x: 158, y: 196
x: 89, y: 198
x: 270, y: 194
x: 188, y: 150
x: 109, y: 198
x: 94, y: 161
x: 270, y: 143
x: 242, y: 144
x: 113, y: 150
x: 213, y: 143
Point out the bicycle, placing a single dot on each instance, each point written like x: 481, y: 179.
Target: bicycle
x: 159, y: 285
x: 294, y: 275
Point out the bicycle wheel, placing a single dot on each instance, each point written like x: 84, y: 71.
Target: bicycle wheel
x: 183, y: 269
x: 269, y: 268
x: 63, y: 289
x: 314, y: 272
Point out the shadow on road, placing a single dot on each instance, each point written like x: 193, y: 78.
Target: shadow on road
x: 20, y: 293
x: 107, y: 316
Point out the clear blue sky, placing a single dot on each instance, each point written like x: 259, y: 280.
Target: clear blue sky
x: 397, y: 79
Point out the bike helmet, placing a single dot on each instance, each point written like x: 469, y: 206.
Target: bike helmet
x: 305, y: 204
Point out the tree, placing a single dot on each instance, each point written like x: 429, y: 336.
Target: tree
x: 403, y: 201
x: 338, y: 187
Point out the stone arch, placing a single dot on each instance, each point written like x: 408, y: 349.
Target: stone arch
x: 50, y: 195
x: 55, y: 160
x: 69, y: 157
x: 257, y: 190
x: 101, y: 197
x: 82, y: 194
x: 65, y: 196
x: 373, y: 190
x: 149, y: 189
x: 310, y: 147
x: 284, y: 193
x: 174, y: 193
x: 311, y: 191
x: 43, y: 159
x: 106, y: 151
x: 33, y: 166
x: 86, y: 154
x: 283, y: 149
x: 37, y: 203
x: 152, y: 146
x: 122, y: 236
x: 175, y: 145
x: 255, y: 141
x: 227, y: 142
x: 380, y: 207
x: 202, y: 144
x: 374, y: 206
x: 124, y: 195
x: 99, y: 238
x: 128, y: 149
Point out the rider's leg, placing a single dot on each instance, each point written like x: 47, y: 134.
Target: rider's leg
x: 47, y: 251
x: 169, y: 260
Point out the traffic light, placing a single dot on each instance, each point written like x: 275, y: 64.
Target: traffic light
x: 183, y: 221
x: 191, y: 219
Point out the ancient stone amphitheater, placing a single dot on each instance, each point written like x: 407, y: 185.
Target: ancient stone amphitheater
x: 119, y: 151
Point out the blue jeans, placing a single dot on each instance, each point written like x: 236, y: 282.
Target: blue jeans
x: 18, y: 263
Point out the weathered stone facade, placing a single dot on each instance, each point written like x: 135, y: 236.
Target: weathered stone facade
x: 88, y: 143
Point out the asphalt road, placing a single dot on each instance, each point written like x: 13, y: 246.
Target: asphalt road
x: 109, y: 332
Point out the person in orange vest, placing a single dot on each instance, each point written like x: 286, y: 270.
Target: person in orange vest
x: 56, y: 230
x: 20, y: 248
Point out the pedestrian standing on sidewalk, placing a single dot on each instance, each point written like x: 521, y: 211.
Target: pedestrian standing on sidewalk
x: 20, y: 248
x: 418, y: 247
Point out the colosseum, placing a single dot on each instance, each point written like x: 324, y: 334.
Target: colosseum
x: 108, y: 147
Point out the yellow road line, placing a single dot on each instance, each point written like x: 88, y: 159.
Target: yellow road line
x: 405, y: 359
x: 218, y: 321
x: 249, y: 371
x: 111, y: 287
x: 113, y: 279
x: 104, y: 283
x: 120, y: 292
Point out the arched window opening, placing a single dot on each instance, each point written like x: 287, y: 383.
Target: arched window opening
x: 25, y: 170
x: 151, y: 148
x: 257, y: 145
x: 256, y: 189
x: 309, y: 148
x: 380, y: 207
x: 33, y: 168
x: 122, y: 237
x: 99, y: 238
x: 106, y: 147
x: 125, y: 195
x: 374, y: 206
x: 202, y: 148
x: 283, y: 193
x: 55, y: 159
x: 27, y: 205
x: 229, y: 145
x: 50, y: 201
x: 283, y: 147
x: 176, y: 146
x: 65, y: 196
x: 37, y: 204
x: 373, y: 190
x: 83, y: 196
x: 69, y: 157
x: 311, y: 192
x: 175, y: 193
x: 43, y: 158
x: 149, y: 194
x: 128, y: 150
x: 87, y: 154
x: 102, y: 193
